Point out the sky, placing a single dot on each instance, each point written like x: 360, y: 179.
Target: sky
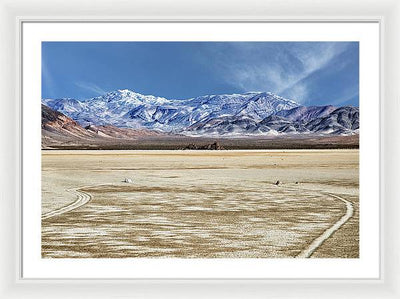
x: 311, y: 73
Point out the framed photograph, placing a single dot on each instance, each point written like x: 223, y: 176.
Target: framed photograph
x: 220, y: 175
x: 243, y: 151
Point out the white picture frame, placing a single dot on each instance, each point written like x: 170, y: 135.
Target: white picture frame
x: 387, y: 13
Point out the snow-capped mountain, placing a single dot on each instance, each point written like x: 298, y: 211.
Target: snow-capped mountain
x: 341, y: 121
x: 304, y: 114
x: 59, y: 129
x: 252, y: 113
x: 114, y: 108
x: 125, y: 108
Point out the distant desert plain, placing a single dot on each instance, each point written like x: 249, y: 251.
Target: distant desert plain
x: 200, y: 204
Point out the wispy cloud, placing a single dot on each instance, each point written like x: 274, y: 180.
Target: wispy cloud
x: 278, y: 67
x: 91, y: 87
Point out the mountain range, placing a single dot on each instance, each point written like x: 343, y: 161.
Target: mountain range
x: 247, y: 114
x: 60, y: 129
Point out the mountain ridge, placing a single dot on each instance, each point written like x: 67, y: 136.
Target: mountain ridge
x: 225, y: 115
x: 59, y: 129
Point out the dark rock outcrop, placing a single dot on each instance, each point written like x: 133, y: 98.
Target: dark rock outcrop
x: 212, y: 146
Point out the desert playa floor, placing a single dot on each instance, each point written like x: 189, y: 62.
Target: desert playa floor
x: 200, y: 204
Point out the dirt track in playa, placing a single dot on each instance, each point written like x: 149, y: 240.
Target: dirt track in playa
x: 200, y: 204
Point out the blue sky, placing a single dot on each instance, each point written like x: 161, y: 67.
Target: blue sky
x: 311, y: 73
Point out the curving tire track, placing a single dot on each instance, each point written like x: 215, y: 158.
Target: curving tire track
x: 306, y: 253
x: 82, y: 199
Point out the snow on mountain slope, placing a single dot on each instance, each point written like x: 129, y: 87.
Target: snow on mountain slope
x: 69, y: 107
x: 125, y: 108
x: 264, y: 104
x: 305, y: 114
x: 58, y: 129
x: 223, y: 125
x: 322, y: 120
x: 342, y: 121
x: 252, y: 113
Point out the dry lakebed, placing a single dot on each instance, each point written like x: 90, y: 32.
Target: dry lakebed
x: 200, y: 204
